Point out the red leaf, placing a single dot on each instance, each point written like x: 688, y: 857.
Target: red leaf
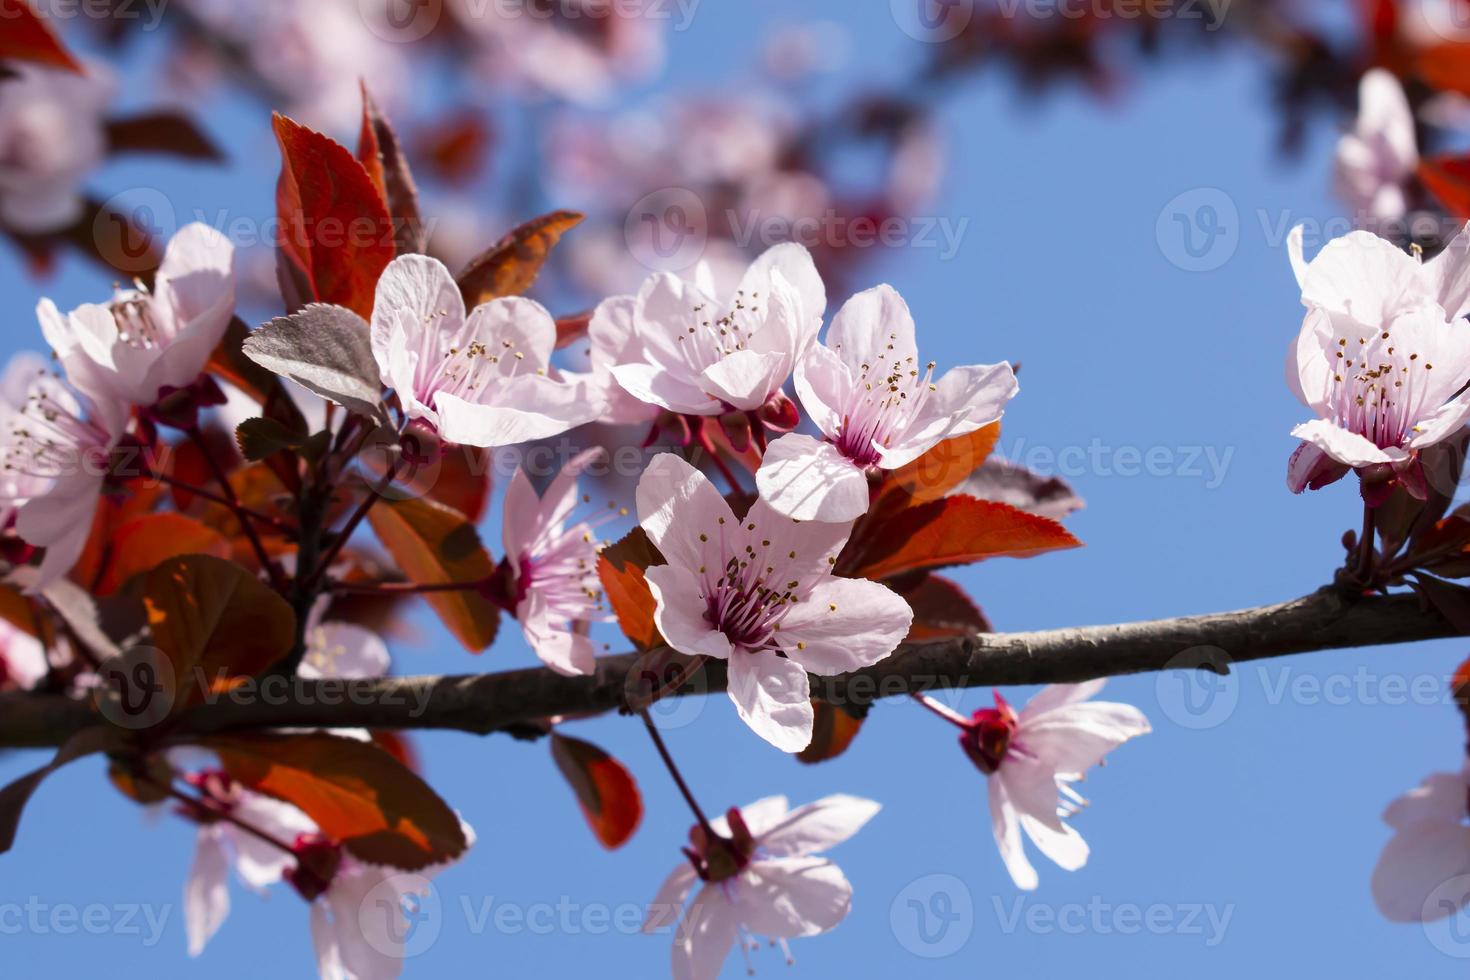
x: 1448, y: 178
x: 620, y: 566
x: 833, y: 730
x: 335, y: 229
x: 356, y: 793
x: 382, y: 157
x: 606, y: 791
x: 27, y: 37
x: 144, y: 542
x: 434, y: 545
x: 171, y: 133
x: 511, y: 265
x: 15, y: 796
x: 942, y: 609
x: 952, y: 531
x: 944, y: 467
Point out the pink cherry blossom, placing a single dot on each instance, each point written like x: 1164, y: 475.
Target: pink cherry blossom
x: 144, y: 343
x: 1032, y: 757
x: 877, y: 405
x: 1381, y: 357
x: 611, y: 341
x: 479, y: 380
x: 223, y: 844
x: 1429, y: 849
x: 22, y: 659
x: 761, y: 876
x: 51, y: 138
x: 56, y: 453
x: 1378, y: 158
x: 699, y: 356
x: 339, y: 649
x: 553, y: 564
x: 759, y: 592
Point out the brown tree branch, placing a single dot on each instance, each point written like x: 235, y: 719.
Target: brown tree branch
x: 485, y: 703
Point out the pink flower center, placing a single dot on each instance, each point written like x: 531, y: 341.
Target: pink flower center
x: 317, y: 860
x: 888, y: 396
x: 1379, y: 390
x: 721, y: 858
x: 48, y: 439
x: 137, y: 327
x: 742, y: 602
x: 708, y: 338
x: 987, y: 738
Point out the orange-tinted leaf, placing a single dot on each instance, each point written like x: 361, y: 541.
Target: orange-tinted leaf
x: 137, y: 498
x: 620, y: 566
x: 382, y: 157
x: 214, y: 616
x: 1447, y: 67
x: 1448, y: 178
x: 944, y: 467
x: 455, y: 146
x: 435, y: 545
x: 833, y: 730
x: 1460, y: 687
x: 606, y: 791
x: 511, y: 265
x: 952, y: 531
x: 28, y: 37
x: 335, y: 228
x: 942, y: 609
x: 1450, y: 600
x: 356, y: 793
x: 164, y: 131
x: 147, y: 541
x: 458, y: 479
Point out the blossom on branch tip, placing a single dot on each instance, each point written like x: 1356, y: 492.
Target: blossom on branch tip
x: 878, y: 407
x: 483, y: 379
x: 553, y: 566
x: 1382, y: 359
x: 761, y: 876
x: 147, y: 342
x: 1031, y: 757
x: 758, y: 591
x: 695, y: 355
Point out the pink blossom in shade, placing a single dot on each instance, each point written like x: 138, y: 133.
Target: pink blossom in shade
x: 553, y: 562
x: 877, y: 405
x: 1429, y: 849
x: 1381, y: 358
x: 146, y: 342
x: 1031, y: 757
x: 759, y: 592
x: 340, y: 649
x: 360, y: 925
x: 22, y: 659
x: 51, y: 137
x: 696, y: 355
x: 482, y: 379
x: 55, y: 456
x: 223, y: 845
x: 612, y: 340
x: 1376, y: 161
x: 761, y: 875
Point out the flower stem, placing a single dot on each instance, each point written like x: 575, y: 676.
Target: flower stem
x: 233, y: 503
x: 352, y: 524
x: 215, y: 811
x: 1364, y: 569
x: 943, y: 711
x: 272, y: 522
x: 663, y: 751
x: 400, y: 588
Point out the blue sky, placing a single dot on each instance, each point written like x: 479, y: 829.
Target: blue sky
x: 1239, y: 837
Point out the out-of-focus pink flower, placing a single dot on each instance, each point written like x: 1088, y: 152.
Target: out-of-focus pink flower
x: 759, y: 592
x: 878, y: 407
x: 1430, y: 848
x: 479, y: 380
x: 1377, y: 159
x: 761, y: 876
x: 223, y: 844
x: 22, y: 659
x: 1381, y: 358
x: 1029, y: 758
x: 553, y: 562
x: 697, y: 355
x: 51, y: 138
x: 56, y: 454
x: 144, y: 343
